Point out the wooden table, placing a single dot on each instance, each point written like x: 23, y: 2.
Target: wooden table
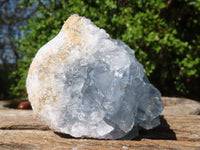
x: 19, y: 129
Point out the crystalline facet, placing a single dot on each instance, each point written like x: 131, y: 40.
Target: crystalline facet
x: 85, y: 84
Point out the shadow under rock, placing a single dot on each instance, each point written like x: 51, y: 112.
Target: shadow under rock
x: 63, y: 135
x: 161, y: 132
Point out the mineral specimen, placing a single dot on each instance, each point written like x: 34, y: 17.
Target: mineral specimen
x: 85, y: 84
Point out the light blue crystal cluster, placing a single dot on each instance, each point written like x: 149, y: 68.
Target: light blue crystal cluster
x: 102, y: 92
x: 109, y: 90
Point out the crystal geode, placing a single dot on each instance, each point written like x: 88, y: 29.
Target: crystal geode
x: 85, y: 84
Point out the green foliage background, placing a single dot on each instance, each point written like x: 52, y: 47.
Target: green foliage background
x: 165, y: 34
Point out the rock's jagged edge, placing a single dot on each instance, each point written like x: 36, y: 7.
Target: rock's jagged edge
x: 84, y: 83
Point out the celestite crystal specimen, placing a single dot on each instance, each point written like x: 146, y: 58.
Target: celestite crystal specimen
x: 85, y: 84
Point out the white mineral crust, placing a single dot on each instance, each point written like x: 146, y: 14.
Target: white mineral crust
x: 85, y: 84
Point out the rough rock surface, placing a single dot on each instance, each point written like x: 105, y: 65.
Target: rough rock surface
x: 85, y: 84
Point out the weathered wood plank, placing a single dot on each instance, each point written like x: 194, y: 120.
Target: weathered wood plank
x: 182, y: 128
x: 29, y: 139
x: 179, y: 127
x: 19, y: 129
x: 20, y: 119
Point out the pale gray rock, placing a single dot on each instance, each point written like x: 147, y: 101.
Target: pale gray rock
x: 180, y: 106
x: 85, y: 84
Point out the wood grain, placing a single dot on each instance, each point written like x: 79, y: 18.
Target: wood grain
x: 19, y: 129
